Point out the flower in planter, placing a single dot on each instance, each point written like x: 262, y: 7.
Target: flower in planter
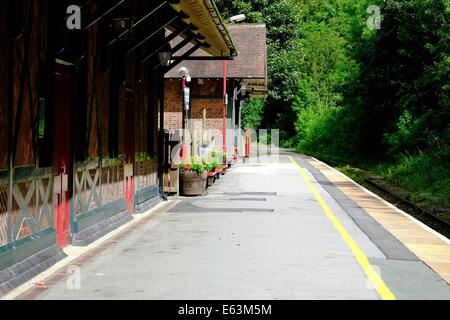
x: 198, y: 168
x: 193, y: 166
x: 185, y: 167
x: 208, y: 166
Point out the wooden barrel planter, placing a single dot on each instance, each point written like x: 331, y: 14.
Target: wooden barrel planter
x: 192, y: 183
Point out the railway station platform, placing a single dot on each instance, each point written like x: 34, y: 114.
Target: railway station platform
x: 286, y: 227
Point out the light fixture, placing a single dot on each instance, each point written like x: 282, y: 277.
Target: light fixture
x: 121, y: 24
x: 183, y: 71
x: 238, y: 18
x: 243, y: 91
x: 165, y: 58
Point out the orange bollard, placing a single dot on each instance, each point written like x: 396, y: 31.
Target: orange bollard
x: 247, y: 146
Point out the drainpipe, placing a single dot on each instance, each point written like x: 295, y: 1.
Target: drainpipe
x: 214, y: 12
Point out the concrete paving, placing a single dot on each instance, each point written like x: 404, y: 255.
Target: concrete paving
x: 259, y: 233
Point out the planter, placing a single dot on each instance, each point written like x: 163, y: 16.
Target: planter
x: 211, y: 178
x: 225, y: 169
x: 218, y: 173
x: 192, y: 183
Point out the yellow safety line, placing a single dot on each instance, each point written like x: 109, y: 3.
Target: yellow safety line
x: 375, y: 279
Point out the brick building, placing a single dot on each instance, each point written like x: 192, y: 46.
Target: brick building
x: 246, y: 77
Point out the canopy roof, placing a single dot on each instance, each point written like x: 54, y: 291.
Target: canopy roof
x: 250, y: 65
x: 203, y: 16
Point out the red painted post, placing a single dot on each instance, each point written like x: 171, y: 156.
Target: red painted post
x: 129, y: 136
x: 63, y: 152
x: 247, y: 144
x: 183, y: 151
x: 225, y: 105
x: 60, y: 239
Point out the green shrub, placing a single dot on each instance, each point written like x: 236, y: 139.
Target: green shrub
x: 252, y: 114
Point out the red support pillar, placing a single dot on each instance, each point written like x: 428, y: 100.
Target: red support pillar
x: 225, y: 105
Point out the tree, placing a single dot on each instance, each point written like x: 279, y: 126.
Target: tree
x: 282, y: 18
x: 252, y: 114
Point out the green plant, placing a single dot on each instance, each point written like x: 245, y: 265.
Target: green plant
x: 221, y: 157
x: 193, y: 165
x: 198, y: 168
x: 212, y: 154
x: 117, y: 161
x: 184, y: 167
x: 140, y: 157
x: 208, y: 166
x: 214, y: 163
x: 211, y: 164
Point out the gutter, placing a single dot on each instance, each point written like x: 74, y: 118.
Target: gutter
x: 214, y: 12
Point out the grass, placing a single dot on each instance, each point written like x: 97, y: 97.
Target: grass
x: 426, y: 178
x: 352, y: 173
x: 423, y: 178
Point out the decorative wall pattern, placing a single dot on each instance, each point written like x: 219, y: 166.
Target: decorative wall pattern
x: 32, y: 203
x: 112, y: 187
x: 96, y: 186
x: 3, y: 214
x: 145, y: 174
x: 86, y: 190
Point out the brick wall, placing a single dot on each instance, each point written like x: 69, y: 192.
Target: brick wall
x: 251, y: 62
x: 172, y: 105
x: 213, y: 105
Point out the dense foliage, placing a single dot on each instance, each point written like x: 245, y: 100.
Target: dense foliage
x: 342, y: 91
x: 252, y: 113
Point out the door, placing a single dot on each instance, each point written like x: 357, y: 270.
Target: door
x: 63, y: 151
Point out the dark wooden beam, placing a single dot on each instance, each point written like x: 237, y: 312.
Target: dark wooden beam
x: 207, y: 58
x: 167, y: 41
x: 148, y: 15
x: 104, y: 14
x: 152, y: 35
x: 178, y: 60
